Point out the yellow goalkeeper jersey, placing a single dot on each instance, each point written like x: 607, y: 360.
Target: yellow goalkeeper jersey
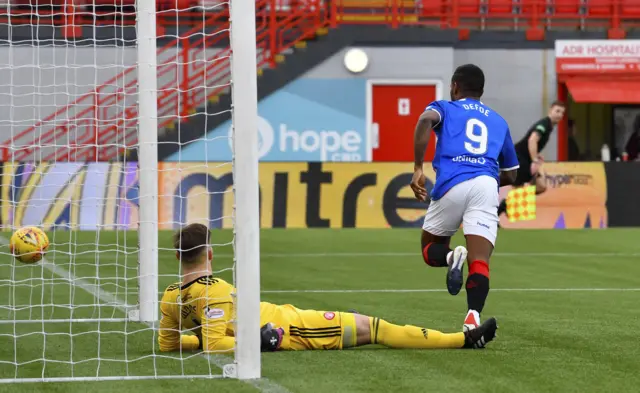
x: 205, y: 307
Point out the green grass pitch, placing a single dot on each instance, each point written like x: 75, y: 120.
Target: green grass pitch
x: 566, y: 303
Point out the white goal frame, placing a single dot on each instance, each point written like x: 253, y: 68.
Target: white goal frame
x: 148, y: 160
x: 244, y: 93
x: 246, y: 218
x: 244, y: 102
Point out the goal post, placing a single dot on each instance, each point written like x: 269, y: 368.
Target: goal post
x: 244, y: 98
x: 90, y: 310
x: 148, y: 159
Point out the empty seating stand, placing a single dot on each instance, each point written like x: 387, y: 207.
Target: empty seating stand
x: 630, y: 9
x: 536, y: 15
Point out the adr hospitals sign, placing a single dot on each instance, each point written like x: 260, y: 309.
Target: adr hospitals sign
x: 597, y: 56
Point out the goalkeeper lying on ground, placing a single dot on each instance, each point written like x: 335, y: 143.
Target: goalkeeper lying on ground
x: 203, y: 305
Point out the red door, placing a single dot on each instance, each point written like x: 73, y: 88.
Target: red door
x: 395, y: 110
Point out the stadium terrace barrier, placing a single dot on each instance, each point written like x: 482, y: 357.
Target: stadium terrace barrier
x: 72, y: 14
x: 469, y: 14
x: 294, y: 195
x: 536, y: 15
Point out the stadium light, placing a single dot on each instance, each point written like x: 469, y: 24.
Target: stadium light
x: 356, y: 60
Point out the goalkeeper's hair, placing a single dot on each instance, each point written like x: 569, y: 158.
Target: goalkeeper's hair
x: 191, y: 242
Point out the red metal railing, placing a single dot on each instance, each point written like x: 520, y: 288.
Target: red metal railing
x: 103, y: 123
x: 447, y: 13
x: 77, y: 13
x: 484, y: 14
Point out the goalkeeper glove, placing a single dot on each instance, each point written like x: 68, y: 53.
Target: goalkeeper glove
x: 270, y: 338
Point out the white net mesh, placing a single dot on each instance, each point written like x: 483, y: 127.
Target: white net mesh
x: 69, y: 119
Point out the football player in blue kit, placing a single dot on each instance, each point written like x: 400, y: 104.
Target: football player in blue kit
x: 474, y: 156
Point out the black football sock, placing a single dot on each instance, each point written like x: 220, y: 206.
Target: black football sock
x: 435, y: 254
x: 503, y: 207
x: 477, y: 285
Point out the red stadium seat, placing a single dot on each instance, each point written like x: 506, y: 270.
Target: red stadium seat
x: 115, y: 3
x: 37, y: 3
x: 500, y: 7
x: 529, y: 6
x: 432, y: 8
x: 630, y: 8
x: 469, y: 7
x: 175, y: 4
x: 601, y: 8
x: 565, y: 7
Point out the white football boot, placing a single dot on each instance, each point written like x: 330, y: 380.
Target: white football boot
x: 455, y: 259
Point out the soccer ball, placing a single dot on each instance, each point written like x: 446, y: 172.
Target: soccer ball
x: 29, y: 244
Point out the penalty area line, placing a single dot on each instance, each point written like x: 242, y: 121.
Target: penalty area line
x: 444, y: 290
x: 263, y: 385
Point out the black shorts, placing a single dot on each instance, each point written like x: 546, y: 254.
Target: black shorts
x: 524, y: 172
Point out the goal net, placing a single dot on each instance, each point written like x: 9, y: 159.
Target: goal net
x: 89, y: 92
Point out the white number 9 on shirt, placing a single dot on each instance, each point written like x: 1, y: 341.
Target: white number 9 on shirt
x: 477, y: 137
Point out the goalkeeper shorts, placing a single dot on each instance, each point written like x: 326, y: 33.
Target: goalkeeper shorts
x: 320, y: 330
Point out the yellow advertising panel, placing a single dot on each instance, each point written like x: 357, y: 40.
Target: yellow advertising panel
x: 576, y: 197
x: 105, y: 196
x: 362, y: 195
x: 296, y: 195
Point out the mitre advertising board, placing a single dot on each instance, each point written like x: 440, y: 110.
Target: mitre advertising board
x: 597, y: 56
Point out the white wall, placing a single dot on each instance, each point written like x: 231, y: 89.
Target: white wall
x: 36, y: 81
x: 515, y: 78
x: 392, y: 63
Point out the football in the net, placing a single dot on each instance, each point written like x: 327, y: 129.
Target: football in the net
x: 29, y: 244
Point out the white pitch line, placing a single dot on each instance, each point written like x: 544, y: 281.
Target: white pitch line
x: 413, y: 254
x: 262, y: 385
x: 97, y: 292
x: 444, y: 290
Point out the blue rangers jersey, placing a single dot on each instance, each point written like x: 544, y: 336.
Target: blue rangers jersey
x: 473, y: 140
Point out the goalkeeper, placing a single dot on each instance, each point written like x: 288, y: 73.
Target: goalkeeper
x: 203, y: 305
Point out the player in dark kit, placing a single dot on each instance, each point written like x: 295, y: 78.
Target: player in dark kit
x: 529, y: 151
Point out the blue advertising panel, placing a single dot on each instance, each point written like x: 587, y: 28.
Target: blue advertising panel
x: 308, y: 120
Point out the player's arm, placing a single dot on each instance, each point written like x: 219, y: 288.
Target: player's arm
x: 532, y: 142
x: 426, y: 122
x: 508, y: 162
x: 215, y: 315
x: 169, y: 337
x: 429, y: 119
x: 507, y: 178
x: 215, y: 310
